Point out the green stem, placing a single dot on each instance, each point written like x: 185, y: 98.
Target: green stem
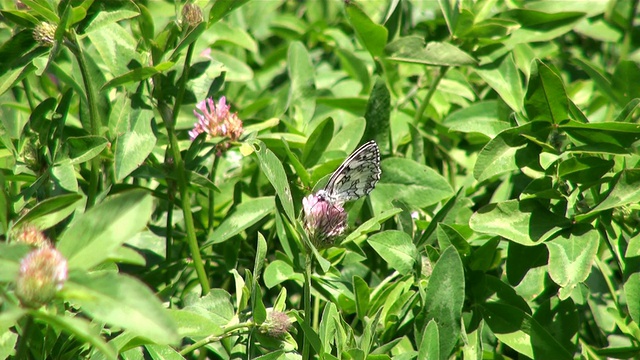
x: 212, y: 177
x: 183, y: 82
x: 212, y: 338
x: 169, y: 236
x: 307, y: 302
x: 432, y: 90
x: 28, y: 91
x: 628, y: 34
x: 183, y: 187
x: 22, y: 352
x: 94, y: 114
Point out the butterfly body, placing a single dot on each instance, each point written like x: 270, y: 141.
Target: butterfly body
x: 356, y: 177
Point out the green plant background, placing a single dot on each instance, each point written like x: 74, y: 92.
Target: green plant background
x: 505, y: 224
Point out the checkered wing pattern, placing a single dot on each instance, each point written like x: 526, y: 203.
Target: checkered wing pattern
x: 357, y: 175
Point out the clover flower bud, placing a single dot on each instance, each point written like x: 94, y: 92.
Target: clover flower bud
x: 42, y: 274
x: 276, y: 325
x: 45, y: 33
x: 323, y: 221
x: 191, y: 15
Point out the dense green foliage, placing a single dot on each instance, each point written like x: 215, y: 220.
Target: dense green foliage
x: 505, y: 223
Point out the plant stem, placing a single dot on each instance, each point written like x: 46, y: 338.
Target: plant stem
x: 432, y: 90
x: 211, y: 338
x: 168, y: 242
x: 94, y: 115
x: 22, y: 352
x: 212, y: 177
x: 307, y: 302
x: 183, y: 187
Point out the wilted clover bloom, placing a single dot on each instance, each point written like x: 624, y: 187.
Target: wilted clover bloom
x: 216, y: 120
x: 45, y: 33
x: 42, y: 273
x: 276, y: 325
x: 323, y: 220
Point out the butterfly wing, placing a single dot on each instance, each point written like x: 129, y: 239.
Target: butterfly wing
x: 357, y: 175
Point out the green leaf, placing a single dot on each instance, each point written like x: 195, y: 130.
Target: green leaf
x: 521, y: 332
x: 510, y: 151
x: 116, y: 49
x: 396, y: 248
x: 330, y: 330
x: 372, y: 36
x: 484, y: 117
x: 378, y: 115
x: 112, y: 14
x: 546, y: 98
x: 279, y: 271
x: 274, y: 171
x: 526, y: 222
x: 190, y: 38
x: 20, y: 18
x: 317, y: 143
x: 199, y: 180
x: 43, y: 9
x: 599, y: 78
x: 450, y: 11
x: 122, y: 301
x: 236, y: 69
x: 611, y: 133
x: 444, y: 299
x: 632, y: 294
x: 540, y: 26
x: 80, y: 328
x: 414, y: 50
x: 572, y: 254
x: 626, y: 74
x: 261, y: 253
x: 430, y: 342
x: 447, y: 235
x: 163, y: 352
x: 625, y: 189
x: 10, y: 257
x: 355, y: 67
x: 412, y: 183
x: 8, y: 339
x: 192, y: 324
x: 309, y: 334
x: 221, y: 8
x: 301, y: 171
x: 133, y: 145
x: 100, y: 231
x: 245, y: 215
x: 626, y: 115
x: 85, y: 148
x: 50, y: 211
x: 503, y: 77
x: 216, y: 306
x: 362, y: 294
x: 301, y: 99
x: 584, y: 170
x: 137, y: 75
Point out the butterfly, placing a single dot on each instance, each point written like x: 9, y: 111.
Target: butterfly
x: 355, y: 178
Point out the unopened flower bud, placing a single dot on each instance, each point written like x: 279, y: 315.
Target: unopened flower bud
x: 42, y: 274
x: 45, y: 33
x: 191, y: 15
x: 276, y: 325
